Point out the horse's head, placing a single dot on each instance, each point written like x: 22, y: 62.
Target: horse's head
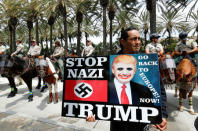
x: 186, y: 76
x: 42, y: 66
x: 168, y: 67
x: 6, y: 63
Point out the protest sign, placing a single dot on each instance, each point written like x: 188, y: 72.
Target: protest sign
x: 92, y: 86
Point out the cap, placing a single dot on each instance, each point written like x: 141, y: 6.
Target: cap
x: 154, y: 35
x: 183, y: 35
x: 33, y: 40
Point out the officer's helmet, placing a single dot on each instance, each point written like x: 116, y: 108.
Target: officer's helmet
x: 154, y: 35
x: 183, y: 35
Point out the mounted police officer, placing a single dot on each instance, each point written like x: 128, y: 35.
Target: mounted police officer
x: 19, y: 53
x: 88, y: 50
x: 154, y: 46
x: 57, y: 55
x: 186, y: 47
x: 34, y: 50
x: 19, y: 50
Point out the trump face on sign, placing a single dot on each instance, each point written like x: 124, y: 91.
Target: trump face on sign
x: 122, y: 90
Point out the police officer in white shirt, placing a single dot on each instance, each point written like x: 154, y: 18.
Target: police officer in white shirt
x: 186, y: 47
x: 57, y: 54
x: 34, y: 50
x: 88, y: 50
x: 19, y: 50
x: 154, y: 46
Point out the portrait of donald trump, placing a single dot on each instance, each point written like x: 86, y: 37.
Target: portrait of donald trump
x: 122, y: 90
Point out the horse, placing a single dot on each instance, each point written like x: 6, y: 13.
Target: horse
x: 167, y: 69
x: 47, y: 71
x: 186, y: 80
x: 11, y: 67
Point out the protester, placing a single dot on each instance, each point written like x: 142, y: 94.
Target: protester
x: 130, y: 44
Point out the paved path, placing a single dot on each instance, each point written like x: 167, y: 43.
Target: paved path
x: 17, y: 114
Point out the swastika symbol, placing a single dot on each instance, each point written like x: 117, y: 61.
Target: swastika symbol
x: 83, y: 90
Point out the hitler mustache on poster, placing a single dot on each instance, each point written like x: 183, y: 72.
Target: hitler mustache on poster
x: 122, y: 87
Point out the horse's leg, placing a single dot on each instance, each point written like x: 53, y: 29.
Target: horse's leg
x: 12, y: 86
x: 39, y: 83
x: 28, y: 80
x: 180, y: 102
x: 176, y: 90
x: 192, y: 112
x: 44, y: 86
x: 50, y: 94
x: 56, y: 92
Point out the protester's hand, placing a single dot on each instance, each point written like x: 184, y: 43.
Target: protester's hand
x: 91, y: 118
x: 162, y: 126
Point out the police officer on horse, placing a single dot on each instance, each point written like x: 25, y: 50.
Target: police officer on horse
x: 19, y: 50
x: 154, y: 46
x: 186, y: 48
x: 57, y: 55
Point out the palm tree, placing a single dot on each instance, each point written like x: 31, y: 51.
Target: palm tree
x: 104, y: 4
x: 79, y: 19
x: 62, y: 10
x: 10, y: 10
x: 194, y: 22
x: 143, y: 23
x: 151, y: 7
x: 51, y: 21
x: 111, y: 17
x: 170, y: 21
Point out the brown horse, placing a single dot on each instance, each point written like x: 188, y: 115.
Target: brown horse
x: 47, y: 71
x: 186, y: 81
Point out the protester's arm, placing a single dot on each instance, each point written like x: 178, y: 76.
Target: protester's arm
x: 163, y: 125
x: 91, y: 118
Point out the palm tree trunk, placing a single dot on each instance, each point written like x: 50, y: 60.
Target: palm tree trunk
x: 70, y: 42
x: 47, y: 48
x: 41, y: 42
x: 14, y: 38
x: 78, y: 40
x: 51, y: 28
x: 197, y: 36
x: 11, y: 46
x: 86, y: 37
x: 153, y: 17
x: 65, y: 30
x: 37, y: 31
x: 104, y: 29
x: 169, y: 38
x: 111, y: 48
x: 29, y: 37
x: 145, y: 39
